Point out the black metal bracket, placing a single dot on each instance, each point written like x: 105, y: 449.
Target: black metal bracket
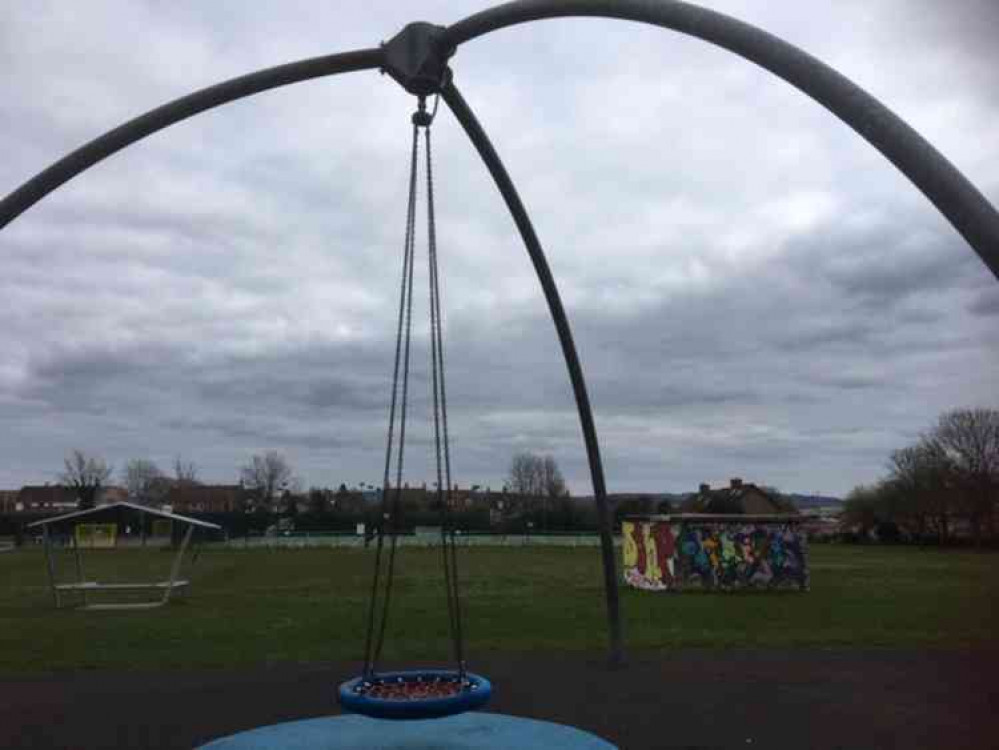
x: 417, y: 58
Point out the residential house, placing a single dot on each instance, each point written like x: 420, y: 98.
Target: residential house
x: 206, y: 498
x: 423, y: 498
x: 626, y: 503
x: 739, y: 498
x: 8, y: 501
x: 42, y: 497
x: 112, y: 494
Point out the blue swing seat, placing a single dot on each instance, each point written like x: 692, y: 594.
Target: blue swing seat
x: 417, y: 694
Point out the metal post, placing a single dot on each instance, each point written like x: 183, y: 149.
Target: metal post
x: 480, y: 140
x: 176, y: 563
x: 48, y: 564
x: 79, y: 567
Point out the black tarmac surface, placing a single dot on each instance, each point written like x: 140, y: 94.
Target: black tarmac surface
x: 692, y: 699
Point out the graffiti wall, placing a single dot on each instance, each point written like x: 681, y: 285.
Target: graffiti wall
x: 674, y: 553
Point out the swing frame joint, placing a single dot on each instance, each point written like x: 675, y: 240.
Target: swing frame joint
x: 417, y: 58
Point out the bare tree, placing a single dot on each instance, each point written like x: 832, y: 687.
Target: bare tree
x: 552, y: 481
x: 144, y: 481
x: 920, y: 491
x: 185, y: 472
x: 552, y: 486
x: 860, y: 508
x: 86, y: 475
x: 525, y: 476
x: 267, y: 477
x: 321, y: 500
x: 536, y: 480
x: 970, y: 439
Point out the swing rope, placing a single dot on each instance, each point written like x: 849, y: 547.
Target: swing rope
x: 372, y: 649
x: 378, y: 616
x: 444, y: 497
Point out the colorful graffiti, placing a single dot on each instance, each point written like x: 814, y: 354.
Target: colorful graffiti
x: 670, y: 555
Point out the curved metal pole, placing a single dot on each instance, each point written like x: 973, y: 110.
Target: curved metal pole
x: 180, y: 109
x: 480, y: 140
x: 939, y: 180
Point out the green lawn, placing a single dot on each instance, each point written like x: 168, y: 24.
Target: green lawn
x: 253, y: 607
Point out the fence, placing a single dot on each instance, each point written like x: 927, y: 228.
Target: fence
x: 302, y: 540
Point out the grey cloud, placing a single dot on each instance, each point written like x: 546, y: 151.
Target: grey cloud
x: 849, y: 382
x: 969, y: 27
x: 259, y: 432
x: 822, y: 334
x: 986, y: 303
x: 893, y: 279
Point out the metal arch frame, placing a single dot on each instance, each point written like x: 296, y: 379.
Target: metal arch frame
x: 951, y: 192
x: 953, y: 195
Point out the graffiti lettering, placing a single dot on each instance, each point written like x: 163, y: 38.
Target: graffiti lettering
x: 673, y: 554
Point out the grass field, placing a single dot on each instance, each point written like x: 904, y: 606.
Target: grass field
x: 257, y: 607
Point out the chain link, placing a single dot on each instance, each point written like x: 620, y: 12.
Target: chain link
x: 390, y: 515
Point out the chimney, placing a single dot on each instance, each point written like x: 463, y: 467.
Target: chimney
x: 705, y: 487
x: 736, y: 483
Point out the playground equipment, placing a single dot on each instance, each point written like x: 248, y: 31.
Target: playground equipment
x: 417, y: 58
x: 426, y: 693
x: 471, y: 731
x: 83, y: 529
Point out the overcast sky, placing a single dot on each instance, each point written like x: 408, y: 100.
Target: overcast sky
x: 754, y: 290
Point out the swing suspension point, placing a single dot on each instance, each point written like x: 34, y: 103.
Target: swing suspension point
x: 416, y: 58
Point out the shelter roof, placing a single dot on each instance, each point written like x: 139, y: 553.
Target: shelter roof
x: 80, y: 514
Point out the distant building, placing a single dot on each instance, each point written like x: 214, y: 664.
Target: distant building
x: 479, y: 498
x: 41, y: 497
x: 739, y: 497
x: 371, y: 496
x: 8, y: 501
x: 32, y: 498
x: 423, y: 498
x: 112, y: 494
x: 640, y: 502
x: 410, y: 498
x: 206, y: 498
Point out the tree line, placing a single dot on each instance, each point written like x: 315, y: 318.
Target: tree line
x: 534, y: 485
x: 266, y: 478
x: 947, y: 479
x: 144, y: 481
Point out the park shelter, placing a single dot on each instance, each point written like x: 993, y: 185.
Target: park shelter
x: 715, y: 551
x: 103, y: 523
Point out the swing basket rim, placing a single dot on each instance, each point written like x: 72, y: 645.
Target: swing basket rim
x: 421, y: 708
